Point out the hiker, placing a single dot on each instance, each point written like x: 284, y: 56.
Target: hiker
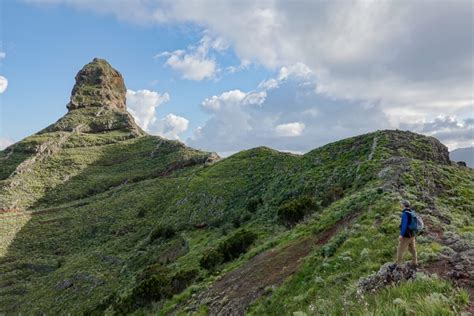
x: 407, y: 238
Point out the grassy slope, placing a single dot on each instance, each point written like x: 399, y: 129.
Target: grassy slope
x: 327, y: 282
x: 102, y: 195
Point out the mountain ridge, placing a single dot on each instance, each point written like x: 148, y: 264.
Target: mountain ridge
x: 105, y: 219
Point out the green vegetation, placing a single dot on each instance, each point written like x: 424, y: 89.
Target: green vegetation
x: 426, y: 296
x: 156, y: 287
x: 117, y: 222
x: 293, y: 211
x: 326, y: 284
x: 229, y: 249
x: 162, y: 231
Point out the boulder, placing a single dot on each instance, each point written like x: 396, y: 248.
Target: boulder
x: 389, y: 273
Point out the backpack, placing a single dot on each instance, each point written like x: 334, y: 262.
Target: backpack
x: 416, y: 224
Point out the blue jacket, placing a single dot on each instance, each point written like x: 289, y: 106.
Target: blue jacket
x: 406, y: 219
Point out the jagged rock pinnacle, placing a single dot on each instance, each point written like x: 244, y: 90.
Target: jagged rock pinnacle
x: 98, y: 85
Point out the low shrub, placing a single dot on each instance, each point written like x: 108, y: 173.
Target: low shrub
x: 229, y: 249
x: 237, y: 222
x: 330, y: 248
x: 99, y: 309
x: 152, y: 270
x: 243, y: 218
x: 254, y: 203
x: 182, y: 279
x: 236, y: 244
x: 211, y: 259
x: 162, y: 231
x: 155, y: 288
x: 332, y: 195
x: 293, y: 211
x: 141, y: 213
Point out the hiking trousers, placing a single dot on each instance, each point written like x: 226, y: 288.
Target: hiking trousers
x: 404, y: 244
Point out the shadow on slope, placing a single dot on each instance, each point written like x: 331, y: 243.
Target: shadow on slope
x: 117, y: 164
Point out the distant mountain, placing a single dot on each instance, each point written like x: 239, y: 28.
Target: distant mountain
x: 98, y: 217
x: 463, y: 154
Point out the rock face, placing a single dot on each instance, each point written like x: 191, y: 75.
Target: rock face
x: 98, y: 103
x: 98, y: 85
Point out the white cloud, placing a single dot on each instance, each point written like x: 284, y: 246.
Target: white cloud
x: 298, y: 70
x: 289, y: 116
x: 192, y: 67
x: 4, y: 143
x: 244, y: 64
x: 195, y: 63
x: 271, y: 83
x: 3, y: 84
x: 358, y: 49
x: 290, y: 129
x: 142, y: 105
x: 171, y: 126
x: 233, y: 98
x: 208, y: 42
x: 393, y: 54
x: 2, y: 55
x: 412, y: 59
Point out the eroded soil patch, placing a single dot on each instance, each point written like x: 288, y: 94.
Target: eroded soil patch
x: 234, y: 293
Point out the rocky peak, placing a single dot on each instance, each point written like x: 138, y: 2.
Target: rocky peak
x: 97, y: 103
x: 98, y: 84
x: 411, y: 145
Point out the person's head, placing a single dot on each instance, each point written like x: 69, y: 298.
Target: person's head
x: 405, y: 204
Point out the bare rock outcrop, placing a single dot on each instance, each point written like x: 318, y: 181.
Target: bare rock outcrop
x: 389, y: 273
x: 98, y: 103
x: 98, y: 85
x: 416, y: 146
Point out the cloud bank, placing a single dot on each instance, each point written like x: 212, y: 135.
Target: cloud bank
x: 396, y: 62
x: 285, y: 113
x: 451, y: 131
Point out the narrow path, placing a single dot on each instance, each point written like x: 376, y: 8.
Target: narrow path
x: 233, y: 294
x: 374, y: 147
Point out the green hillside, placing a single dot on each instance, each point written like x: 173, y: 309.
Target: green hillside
x: 97, y: 217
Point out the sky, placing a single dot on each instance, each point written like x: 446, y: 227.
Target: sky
x: 231, y: 75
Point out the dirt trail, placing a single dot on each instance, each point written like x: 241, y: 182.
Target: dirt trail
x: 234, y: 293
